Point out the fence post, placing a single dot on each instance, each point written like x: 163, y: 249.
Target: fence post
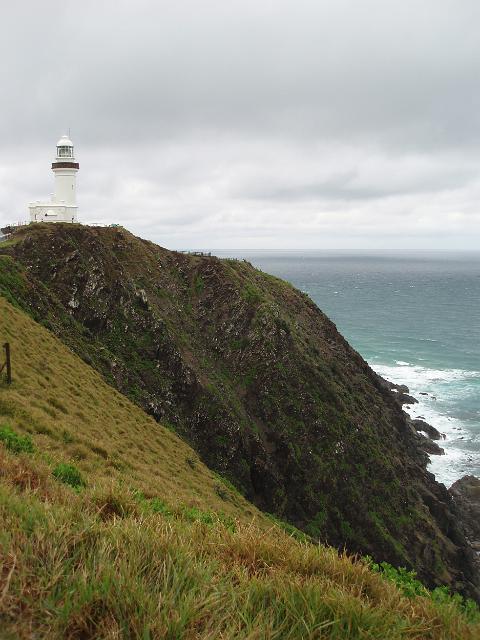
x: 8, y: 363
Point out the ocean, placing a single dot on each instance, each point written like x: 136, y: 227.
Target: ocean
x: 415, y: 318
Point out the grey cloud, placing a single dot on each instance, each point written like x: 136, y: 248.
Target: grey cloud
x: 255, y: 119
x: 346, y: 187
x: 399, y: 71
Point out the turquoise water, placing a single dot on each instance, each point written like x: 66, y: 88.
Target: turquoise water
x: 416, y: 320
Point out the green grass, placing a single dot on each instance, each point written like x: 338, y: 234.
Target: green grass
x: 198, y: 284
x: 95, y: 565
x: 11, y: 278
x: 251, y: 294
x: 15, y: 442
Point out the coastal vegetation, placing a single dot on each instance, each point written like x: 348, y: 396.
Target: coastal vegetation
x: 113, y: 528
x: 157, y: 386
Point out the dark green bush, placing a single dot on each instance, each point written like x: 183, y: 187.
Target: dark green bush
x: 405, y: 580
x: 411, y: 587
x: 69, y: 474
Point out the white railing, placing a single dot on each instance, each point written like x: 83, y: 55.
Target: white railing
x: 20, y: 223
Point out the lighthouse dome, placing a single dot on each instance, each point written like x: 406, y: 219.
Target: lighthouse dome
x: 64, y: 142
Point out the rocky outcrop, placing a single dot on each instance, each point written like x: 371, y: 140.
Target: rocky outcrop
x: 424, y: 433
x: 256, y: 378
x: 400, y: 392
x: 466, y: 495
x: 429, y: 446
x: 431, y: 432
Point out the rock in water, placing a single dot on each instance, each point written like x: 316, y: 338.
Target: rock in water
x: 421, y: 425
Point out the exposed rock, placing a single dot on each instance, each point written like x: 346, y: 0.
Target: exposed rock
x: 429, y: 446
x: 400, y: 392
x: 425, y: 433
x: 391, y: 386
x: 466, y: 495
x: 405, y: 398
x: 421, y: 425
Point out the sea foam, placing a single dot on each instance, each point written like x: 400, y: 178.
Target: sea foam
x: 437, y: 392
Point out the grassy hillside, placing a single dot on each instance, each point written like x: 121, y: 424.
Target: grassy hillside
x: 255, y: 378
x: 74, y: 416
x: 111, y: 528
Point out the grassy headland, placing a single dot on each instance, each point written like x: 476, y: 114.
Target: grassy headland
x: 112, y: 527
x: 254, y: 377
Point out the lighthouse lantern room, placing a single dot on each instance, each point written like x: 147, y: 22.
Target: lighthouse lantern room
x: 63, y: 205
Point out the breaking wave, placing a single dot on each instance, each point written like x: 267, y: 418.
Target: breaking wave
x: 442, y: 396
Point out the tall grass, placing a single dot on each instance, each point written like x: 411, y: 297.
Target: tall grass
x: 71, y: 566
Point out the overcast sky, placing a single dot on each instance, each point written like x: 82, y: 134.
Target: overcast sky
x: 282, y: 124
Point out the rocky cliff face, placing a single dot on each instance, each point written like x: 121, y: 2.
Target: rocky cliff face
x: 466, y: 496
x: 256, y: 378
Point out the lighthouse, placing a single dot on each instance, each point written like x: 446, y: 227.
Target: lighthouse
x: 63, y: 205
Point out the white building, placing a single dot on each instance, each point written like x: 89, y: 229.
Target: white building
x: 63, y: 206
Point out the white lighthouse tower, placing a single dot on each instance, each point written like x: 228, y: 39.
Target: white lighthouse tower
x: 63, y: 206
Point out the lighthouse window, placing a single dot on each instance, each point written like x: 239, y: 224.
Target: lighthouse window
x: 65, y: 152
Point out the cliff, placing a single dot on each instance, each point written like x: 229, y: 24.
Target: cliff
x: 111, y: 527
x: 258, y: 381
